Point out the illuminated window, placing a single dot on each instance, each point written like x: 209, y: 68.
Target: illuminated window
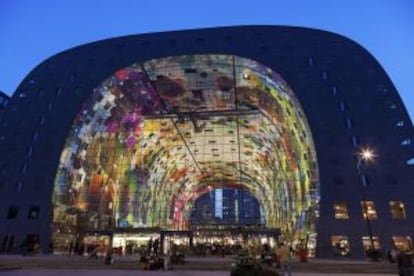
x: 367, y: 244
x: 368, y: 210
x: 403, y: 243
x: 341, y: 210
x: 397, y: 210
x: 406, y: 142
x: 340, y: 246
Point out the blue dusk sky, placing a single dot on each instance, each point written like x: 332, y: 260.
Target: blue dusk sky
x: 33, y: 30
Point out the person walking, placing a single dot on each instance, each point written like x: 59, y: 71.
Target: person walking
x: 283, y: 254
x: 404, y: 262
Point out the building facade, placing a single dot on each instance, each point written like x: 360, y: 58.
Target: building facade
x: 126, y: 133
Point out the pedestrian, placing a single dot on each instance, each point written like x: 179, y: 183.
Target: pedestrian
x: 404, y: 262
x: 283, y: 253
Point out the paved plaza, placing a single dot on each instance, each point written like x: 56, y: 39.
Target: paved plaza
x: 107, y: 272
x: 48, y: 265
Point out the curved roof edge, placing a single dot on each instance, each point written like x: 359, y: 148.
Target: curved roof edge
x: 267, y: 28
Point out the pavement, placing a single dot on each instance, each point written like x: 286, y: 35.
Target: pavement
x: 48, y: 265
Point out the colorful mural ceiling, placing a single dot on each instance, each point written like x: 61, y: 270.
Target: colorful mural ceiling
x: 155, y: 136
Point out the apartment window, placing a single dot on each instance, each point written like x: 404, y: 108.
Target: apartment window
x: 355, y: 141
x: 403, y: 243
x: 42, y: 120
x: 334, y: 90
x: 366, y: 243
x: 368, y: 210
x: 24, y: 169
x: 341, y: 210
x: 12, y: 212
x: 310, y: 61
x: 342, y: 106
x: 324, y: 75
x: 33, y: 212
x: 349, y: 123
x: 400, y: 123
x: 406, y: 142
x: 397, y: 209
x: 410, y: 162
x: 340, y: 246
x: 29, y: 151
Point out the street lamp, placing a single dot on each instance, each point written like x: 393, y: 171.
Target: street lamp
x: 365, y: 155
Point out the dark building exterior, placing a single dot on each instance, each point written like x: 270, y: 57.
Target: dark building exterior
x: 4, y: 99
x: 128, y: 132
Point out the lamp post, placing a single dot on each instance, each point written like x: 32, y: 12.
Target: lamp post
x: 365, y: 155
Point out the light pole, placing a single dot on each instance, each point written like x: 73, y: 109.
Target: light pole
x: 365, y: 155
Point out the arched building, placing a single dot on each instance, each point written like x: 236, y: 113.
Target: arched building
x: 127, y: 133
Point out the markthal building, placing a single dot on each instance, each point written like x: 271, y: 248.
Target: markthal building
x: 235, y: 136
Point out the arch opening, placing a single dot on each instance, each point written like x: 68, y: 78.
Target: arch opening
x: 156, y: 135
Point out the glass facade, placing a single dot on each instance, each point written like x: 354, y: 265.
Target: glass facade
x: 157, y: 135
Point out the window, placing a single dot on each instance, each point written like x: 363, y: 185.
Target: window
x: 391, y: 105
x: 340, y: 246
x: 334, y: 90
x: 310, y: 61
x: 400, y: 123
x: 342, y: 106
x: 349, y: 123
x: 13, y: 212
x: 406, y: 142
x: 397, y: 209
x: 410, y: 162
x: 29, y: 151
x: 33, y: 212
x: 355, y: 141
x: 324, y: 75
x: 402, y: 243
x: 341, y: 210
x: 366, y: 243
x: 24, y: 169
x: 368, y: 210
